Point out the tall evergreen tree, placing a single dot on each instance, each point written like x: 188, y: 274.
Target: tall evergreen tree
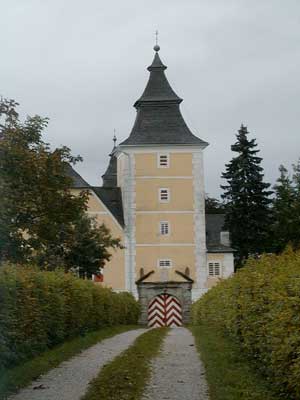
x: 247, y: 200
x: 295, y: 208
x: 283, y: 211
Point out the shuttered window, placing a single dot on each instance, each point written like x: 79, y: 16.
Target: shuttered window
x: 164, y: 263
x: 163, y: 161
x: 214, y: 269
x: 164, y: 195
x: 164, y: 228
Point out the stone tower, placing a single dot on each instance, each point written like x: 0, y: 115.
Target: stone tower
x: 160, y: 173
x: 152, y: 198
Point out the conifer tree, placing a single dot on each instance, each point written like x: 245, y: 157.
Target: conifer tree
x: 283, y: 211
x: 247, y: 200
x: 295, y: 209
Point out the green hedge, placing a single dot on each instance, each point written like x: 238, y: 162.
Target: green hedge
x: 259, y: 307
x: 40, y: 309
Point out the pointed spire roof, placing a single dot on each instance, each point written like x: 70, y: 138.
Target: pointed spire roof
x: 110, y: 175
x: 158, y: 88
x: 159, y: 120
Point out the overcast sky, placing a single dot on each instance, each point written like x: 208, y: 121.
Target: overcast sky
x: 83, y: 65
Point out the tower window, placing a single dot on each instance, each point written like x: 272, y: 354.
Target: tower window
x: 214, y: 269
x: 164, y: 195
x: 163, y: 161
x: 164, y: 263
x: 164, y: 228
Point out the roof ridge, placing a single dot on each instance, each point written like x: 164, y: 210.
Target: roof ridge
x: 111, y: 197
x: 77, y: 180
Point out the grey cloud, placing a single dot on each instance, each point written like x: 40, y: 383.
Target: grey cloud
x: 83, y: 64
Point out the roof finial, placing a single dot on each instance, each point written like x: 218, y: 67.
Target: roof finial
x: 156, y: 47
x: 115, y: 139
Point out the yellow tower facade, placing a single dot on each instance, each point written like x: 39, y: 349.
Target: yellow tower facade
x: 160, y: 173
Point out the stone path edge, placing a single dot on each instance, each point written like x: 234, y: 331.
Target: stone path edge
x: 69, y: 381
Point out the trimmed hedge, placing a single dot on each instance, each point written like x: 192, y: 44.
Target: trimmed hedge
x: 39, y: 310
x: 259, y: 307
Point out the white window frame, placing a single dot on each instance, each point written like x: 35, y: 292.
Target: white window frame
x: 164, y: 263
x: 212, y: 266
x: 160, y: 190
x: 162, y: 225
x: 159, y: 165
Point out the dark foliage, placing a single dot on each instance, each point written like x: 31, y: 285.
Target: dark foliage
x: 41, y: 221
x: 286, y: 209
x: 40, y: 309
x: 247, y: 198
x: 214, y: 206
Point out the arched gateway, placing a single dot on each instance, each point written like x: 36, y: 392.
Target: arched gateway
x: 164, y: 303
x: 164, y: 310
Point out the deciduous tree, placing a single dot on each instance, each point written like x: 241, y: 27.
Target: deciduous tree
x: 40, y: 219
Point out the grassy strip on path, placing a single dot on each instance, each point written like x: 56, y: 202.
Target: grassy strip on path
x: 229, y: 374
x: 126, y: 376
x: 18, y: 377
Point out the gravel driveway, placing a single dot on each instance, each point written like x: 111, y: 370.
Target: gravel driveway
x: 177, y: 373
x: 69, y: 381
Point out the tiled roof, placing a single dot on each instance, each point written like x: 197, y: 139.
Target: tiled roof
x: 159, y: 120
x: 110, y: 175
x: 110, y: 196
x: 214, y: 227
x: 219, y: 249
x: 112, y: 199
x: 78, y: 181
x: 158, y: 87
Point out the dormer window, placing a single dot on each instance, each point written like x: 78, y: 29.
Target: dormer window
x: 163, y: 161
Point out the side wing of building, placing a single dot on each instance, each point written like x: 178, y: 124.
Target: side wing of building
x: 105, y: 205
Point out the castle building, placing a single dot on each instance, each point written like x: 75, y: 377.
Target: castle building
x: 153, y: 198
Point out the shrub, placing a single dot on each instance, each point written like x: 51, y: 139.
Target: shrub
x: 259, y: 307
x: 40, y: 309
